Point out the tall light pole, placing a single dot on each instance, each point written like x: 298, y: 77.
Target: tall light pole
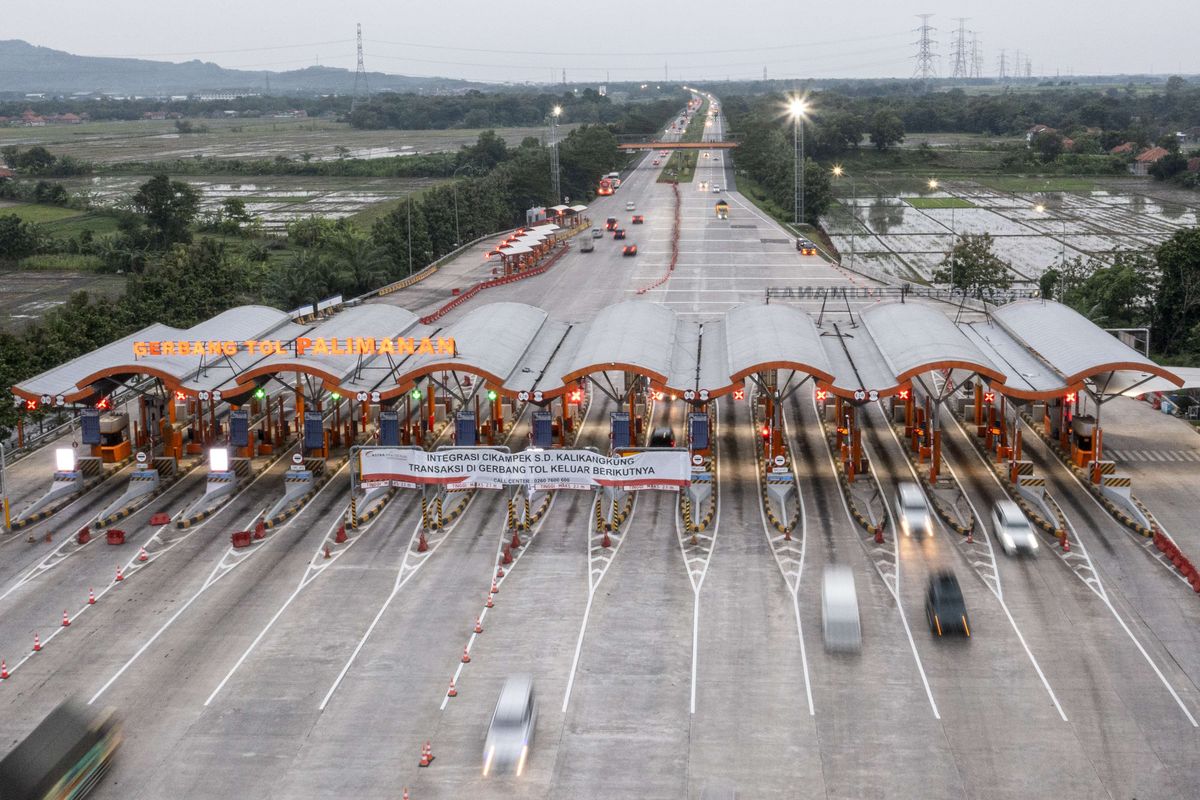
x: 555, y: 186
x: 796, y: 109
x: 838, y: 172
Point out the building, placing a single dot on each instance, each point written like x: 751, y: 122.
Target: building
x: 6, y: 174
x: 1193, y: 165
x: 206, y: 97
x: 1188, y: 138
x: 1035, y: 131
x: 1123, y: 149
x: 1146, y: 159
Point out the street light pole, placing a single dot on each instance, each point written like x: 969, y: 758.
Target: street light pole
x: 797, y: 107
x: 4, y: 488
x: 555, y: 185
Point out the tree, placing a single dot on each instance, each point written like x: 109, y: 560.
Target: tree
x: 1115, y: 294
x: 1177, y: 299
x: 1049, y: 145
x: 886, y: 129
x: 972, y: 267
x: 169, y: 208
x: 357, y: 257
x: 1048, y: 282
x: 18, y: 239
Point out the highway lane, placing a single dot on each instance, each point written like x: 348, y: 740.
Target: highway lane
x: 1116, y: 706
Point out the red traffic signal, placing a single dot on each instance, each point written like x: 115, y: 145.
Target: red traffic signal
x: 822, y: 394
x: 904, y: 394
x: 989, y: 397
x: 576, y: 396
x: 31, y: 405
x: 181, y: 397
x: 739, y: 394
x: 766, y: 431
x: 102, y: 404
x: 1070, y: 398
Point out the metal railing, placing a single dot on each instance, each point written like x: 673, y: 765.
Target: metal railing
x: 890, y: 292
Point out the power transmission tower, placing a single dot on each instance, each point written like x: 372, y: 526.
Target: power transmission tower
x: 1028, y: 67
x: 1003, y: 64
x: 360, y: 73
x: 564, y: 76
x: 925, y: 56
x: 1016, y: 73
x: 961, y: 68
x: 976, y: 56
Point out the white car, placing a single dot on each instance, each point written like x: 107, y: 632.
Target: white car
x: 510, y: 732
x: 716, y: 189
x: 912, y: 511
x: 839, y: 611
x: 1012, y: 528
x: 630, y: 206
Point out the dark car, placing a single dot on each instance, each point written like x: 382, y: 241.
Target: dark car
x: 638, y: 219
x: 806, y: 247
x: 944, y: 606
x: 610, y: 224
x: 629, y: 250
x: 618, y: 233
x: 662, y: 437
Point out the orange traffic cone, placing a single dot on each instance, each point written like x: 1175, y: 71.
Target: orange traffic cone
x: 489, y: 603
x: 120, y: 577
x: 327, y: 554
x: 466, y: 658
x: 341, y: 534
x: 3, y: 670
x: 606, y: 542
x: 91, y: 598
x: 426, y: 755
x: 507, y: 556
x: 143, y: 555
x: 1066, y: 545
x: 499, y: 572
x: 478, y: 625
x: 37, y: 643
x: 452, y: 692
x: 495, y: 588
x: 66, y: 619
x: 422, y: 545
x: 516, y: 540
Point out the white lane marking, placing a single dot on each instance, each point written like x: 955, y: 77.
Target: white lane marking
x: 697, y: 583
x: 793, y: 587
x: 218, y: 572
x: 1099, y: 590
x: 311, y: 573
x: 999, y: 590
x: 895, y: 591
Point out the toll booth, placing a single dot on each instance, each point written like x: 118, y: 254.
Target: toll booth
x: 389, y: 428
x: 1083, y: 430
x: 466, y: 430
x: 620, y: 433
x: 107, y: 434
x: 542, y: 434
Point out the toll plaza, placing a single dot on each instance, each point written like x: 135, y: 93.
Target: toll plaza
x: 253, y: 378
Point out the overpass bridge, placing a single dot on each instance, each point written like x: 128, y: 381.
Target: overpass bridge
x: 677, y: 145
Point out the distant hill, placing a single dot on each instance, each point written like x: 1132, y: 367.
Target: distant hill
x: 28, y: 68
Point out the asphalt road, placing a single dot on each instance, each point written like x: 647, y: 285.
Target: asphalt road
x: 275, y: 672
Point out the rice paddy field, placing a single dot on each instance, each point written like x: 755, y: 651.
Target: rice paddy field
x: 158, y: 140
x: 895, y: 224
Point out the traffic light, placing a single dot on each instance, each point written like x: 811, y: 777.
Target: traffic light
x: 31, y: 405
x: 904, y: 393
x: 491, y: 395
x: 766, y: 431
x: 181, y: 397
x: 822, y: 395
x: 260, y: 393
x: 415, y: 393
x: 576, y: 396
x: 739, y: 394
x: 989, y: 397
x: 334, y: 396
x: 660, y: 395
x: 102, y: 404
x: 1070, y: 398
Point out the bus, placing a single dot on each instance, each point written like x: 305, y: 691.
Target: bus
x: 64, y: 757
x: 615, y: 179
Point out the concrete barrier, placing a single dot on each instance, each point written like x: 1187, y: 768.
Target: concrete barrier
x: 143, y: 485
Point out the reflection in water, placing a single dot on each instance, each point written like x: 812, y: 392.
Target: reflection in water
x: 1172, y: 210
x: 883, y: 215
x: 1137, y: 204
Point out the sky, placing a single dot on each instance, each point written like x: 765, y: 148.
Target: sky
x: 620, y: 40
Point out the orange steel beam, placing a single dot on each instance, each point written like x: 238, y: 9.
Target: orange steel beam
x: 678, y: 146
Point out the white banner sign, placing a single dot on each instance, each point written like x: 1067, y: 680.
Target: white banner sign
x: 482, y: 468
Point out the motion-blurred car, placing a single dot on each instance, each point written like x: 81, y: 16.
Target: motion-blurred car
x: 510, y: 733
x: 618, y: 233
x: 662, y: 437
x: 912, y: 511
x: 656, y: 162
x: 806, y: 247
x: 630, y: 206
x: 945, y: 608
x: 638, y: 219
x: 610, y: 224
x: 597, y: 233
x: 629, y: 250
x: 1012, y: 528
x: 839, y: 610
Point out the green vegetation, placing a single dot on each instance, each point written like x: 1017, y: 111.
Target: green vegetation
x: 78, y: 262
x: 972, y: 267
x: 681, y: 166
x: 38, y: 214
x: 938, y: 202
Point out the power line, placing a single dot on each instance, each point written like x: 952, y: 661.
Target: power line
x: 925, y: 68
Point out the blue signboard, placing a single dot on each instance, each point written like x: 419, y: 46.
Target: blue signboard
x: 619, y: 436
x: 543, y: 429
x: 239, y: 428
x: 314, y: 430
x: 464, y: 429
x: 698, y: 431
x: 89, y: 422
x: 389, y: 428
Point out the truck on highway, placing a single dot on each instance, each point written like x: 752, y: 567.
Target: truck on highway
x: 722, y: 209
x: 606, y: 187
x: 64, y: 757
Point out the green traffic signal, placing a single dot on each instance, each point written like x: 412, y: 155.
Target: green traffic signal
x: 260, y: 393
x: 492, y: 395
x: 416, y: 394
x: 335, y: 396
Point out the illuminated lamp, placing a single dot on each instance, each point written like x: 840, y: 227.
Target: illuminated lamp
x: 64, y: 459
x: 218, y: 459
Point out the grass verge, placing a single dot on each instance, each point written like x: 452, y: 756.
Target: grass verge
x: 938, y: 202
x: 681, y: 166
x: 39, y: 214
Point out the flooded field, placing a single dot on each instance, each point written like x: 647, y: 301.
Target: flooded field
x: 1088, y: 217
x: 273, y: 200
x: 158, y: 140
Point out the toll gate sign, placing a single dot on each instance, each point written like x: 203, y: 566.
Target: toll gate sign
x: 89, y: 425
x: 239, y: 428
x: 314, y: 430
x: 389, y: 428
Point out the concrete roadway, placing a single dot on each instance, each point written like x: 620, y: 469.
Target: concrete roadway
x: 276, y: 673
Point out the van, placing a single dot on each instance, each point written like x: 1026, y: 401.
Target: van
x: 510, y: 733
x: 587, y: 245
x: 839, y: 611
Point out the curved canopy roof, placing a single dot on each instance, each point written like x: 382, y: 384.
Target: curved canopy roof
x: 1028, y: 349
